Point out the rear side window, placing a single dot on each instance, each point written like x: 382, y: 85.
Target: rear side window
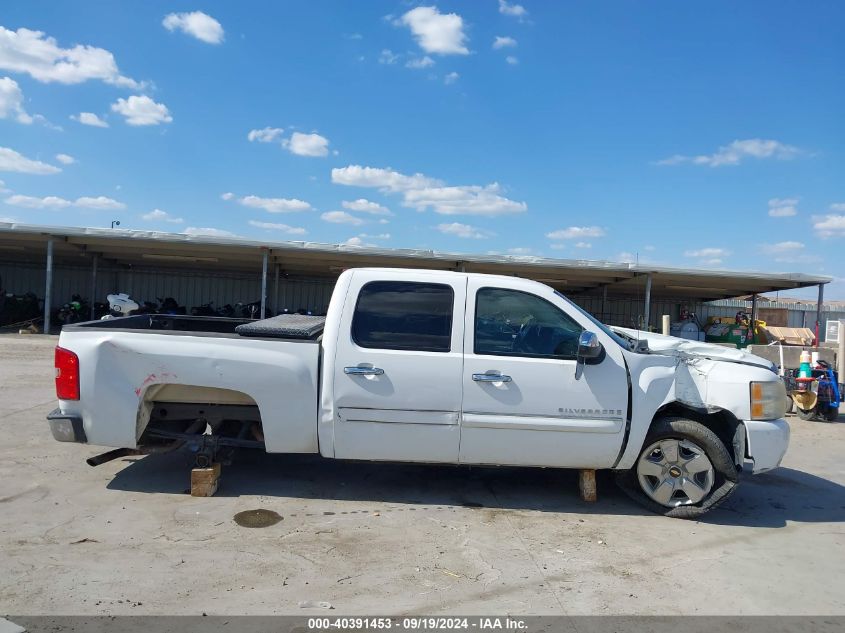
x: 404, y: 315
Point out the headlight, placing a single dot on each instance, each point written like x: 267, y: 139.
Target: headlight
x: 768, y: 400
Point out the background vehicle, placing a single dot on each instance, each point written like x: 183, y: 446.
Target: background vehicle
x: 428, y: 366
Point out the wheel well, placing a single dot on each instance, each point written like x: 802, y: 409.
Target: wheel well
x: 723, y: 423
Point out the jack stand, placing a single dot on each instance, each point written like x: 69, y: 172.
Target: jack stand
x: 587, y: 485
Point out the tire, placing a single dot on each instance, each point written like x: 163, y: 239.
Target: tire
x: 691, y: 438
x: 807, y: 414
x: 790, y: 404
x: 831, y: 414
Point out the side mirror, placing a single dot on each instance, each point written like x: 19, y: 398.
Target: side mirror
x: 589, y: 346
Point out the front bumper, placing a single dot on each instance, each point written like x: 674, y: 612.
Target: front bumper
x: 767, y: 441
x: 66, y: 427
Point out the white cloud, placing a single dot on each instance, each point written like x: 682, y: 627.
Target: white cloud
x: 359, y: 240
x: 273, y: 205
x: 583, y: 245
x: 197, y: 24
x: 65, y: 159
x: 10, y: 160
x: 513, y: 61
x: 838, y: 207
x: 227, y: 196
x: 422, y: 192
x: 298, y: 143
x: 100, y: 202
x: 736, y: 152
x: 55, y: 202
x: 576, y: 232
x: 3, y: 187
x: 31, y: 202
x: 207, y: 232
x: 831, y: 225
x: 157, y: 215
x: 503, y: 41
x: 275, y: 226
x: 520, y: 250
x: 464, y: 200
x: 40, y: 56
x: 420, y: 63
x: 783, y: 207
x: 710, y: 255
x: 451, y: 78
x: 515, y: 10
x: 782, y: 247
x: 435, y: 32
x: 648, y: 247
x: 11, y: 101
x: 141, y: 110
x: 89, y: 118
x: 388, y: 57
x: 365, y: 206
x: 463, y: 230
x: 307, y: 144
x: 384, y: 179
x: 265, y: 135
x: 341, y: 217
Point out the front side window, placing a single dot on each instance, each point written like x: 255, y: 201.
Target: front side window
x: 404, y: 315
x: 515, y: 323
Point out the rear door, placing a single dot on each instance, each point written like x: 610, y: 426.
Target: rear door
x: 526, y: 399
x: 398, y: 366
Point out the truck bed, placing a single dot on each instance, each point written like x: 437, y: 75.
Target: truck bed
x: 129, y: 365
x: 286, y: 326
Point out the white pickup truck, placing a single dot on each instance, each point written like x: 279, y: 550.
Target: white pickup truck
x: 431, y: 366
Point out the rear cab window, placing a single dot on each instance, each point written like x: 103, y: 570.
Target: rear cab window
x: 404, y: 315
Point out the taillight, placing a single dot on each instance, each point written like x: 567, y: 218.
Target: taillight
x: 67, y: 374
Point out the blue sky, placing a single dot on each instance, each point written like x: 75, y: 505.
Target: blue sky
x: 683, y: 134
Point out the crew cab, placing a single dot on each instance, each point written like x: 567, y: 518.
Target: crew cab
x: 432, y: 366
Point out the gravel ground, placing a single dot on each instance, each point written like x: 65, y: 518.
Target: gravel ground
x: 124, y: 538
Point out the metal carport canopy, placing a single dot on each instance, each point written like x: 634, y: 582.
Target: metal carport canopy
x: 151, y: 250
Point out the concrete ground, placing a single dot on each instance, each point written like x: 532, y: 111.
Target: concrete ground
x: 124, y: 538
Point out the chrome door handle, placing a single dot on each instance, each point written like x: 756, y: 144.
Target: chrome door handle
x: 491, y: 378
x: 363, y: 371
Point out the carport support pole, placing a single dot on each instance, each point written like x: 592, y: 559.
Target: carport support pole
x: 93, y: 285
x: 276, y: 291
x: 48, y: 286
x: 264, y: 283
x: 819, y: 313
x: 647, y: 316
x: 754, y: 318
x: 603, y: 317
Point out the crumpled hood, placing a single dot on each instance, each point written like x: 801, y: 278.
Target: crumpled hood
x: 685, y: 348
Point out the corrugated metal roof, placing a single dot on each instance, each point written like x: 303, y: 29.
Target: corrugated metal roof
x: 153, y: 248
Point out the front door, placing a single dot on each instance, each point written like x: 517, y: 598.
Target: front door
x: 523, y: 402
x: 397, y: 373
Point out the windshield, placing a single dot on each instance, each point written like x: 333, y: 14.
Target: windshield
x: 621, y: 341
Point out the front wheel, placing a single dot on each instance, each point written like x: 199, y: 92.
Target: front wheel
x: 683, y: 471
x: 807, y: 414
x: 831, y: 414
